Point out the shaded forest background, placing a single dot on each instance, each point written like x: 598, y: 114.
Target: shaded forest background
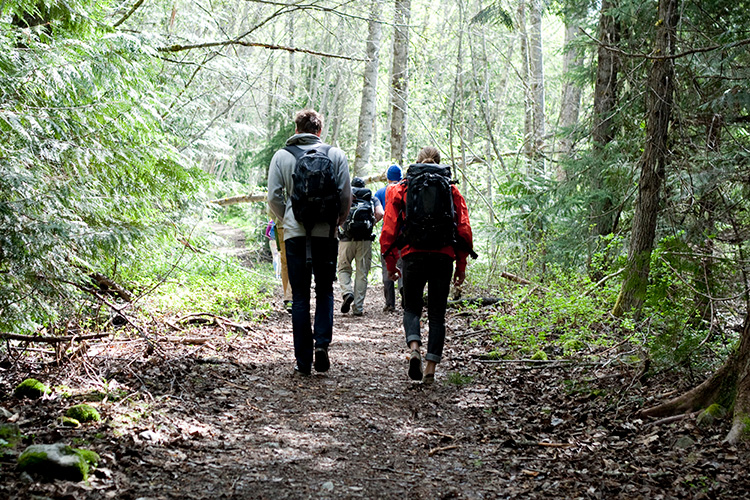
x: 602, y: 148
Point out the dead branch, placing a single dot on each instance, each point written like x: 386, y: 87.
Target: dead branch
x: 106, y: 284
x: 129, y: 13
x: 52, y: 340
x: 185, y: 340
x: 674, y: 418
x: 515, y: 279
x: 226, y: 43
x: 439, y: 450
x: 603, y: 280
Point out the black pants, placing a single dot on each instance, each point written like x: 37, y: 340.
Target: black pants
x: 435, y: 271
x: 307, y: 335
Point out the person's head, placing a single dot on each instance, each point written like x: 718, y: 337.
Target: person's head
x: 358, y: 182
x: 308, y: 121
x: 393, y: 174
x: 428, y: 154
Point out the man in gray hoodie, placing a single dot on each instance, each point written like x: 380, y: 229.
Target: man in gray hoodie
x: 310, y: 340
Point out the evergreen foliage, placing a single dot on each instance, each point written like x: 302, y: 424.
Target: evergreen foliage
x: 86, y: 169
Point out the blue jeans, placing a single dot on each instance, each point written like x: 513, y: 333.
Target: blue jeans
x: 308, y: 336
x: 434, y: 270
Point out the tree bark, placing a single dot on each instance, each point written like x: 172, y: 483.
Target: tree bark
x: 365, y: 135
x: 536, y: 82
x: 528, y: 122
x: 728, y: 387
x: 399, y: 80
x: 571, y: 98
x: 653, y: 164
x: 605, y: 106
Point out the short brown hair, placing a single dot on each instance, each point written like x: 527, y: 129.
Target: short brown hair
x: 428, y: 154
x: 308, y: 121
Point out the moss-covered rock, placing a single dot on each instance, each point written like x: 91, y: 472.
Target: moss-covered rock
x: 83, y: 413
x: 707, y: 417
x: 539, y: 356
x: 58, y: 461
x: 69, y: 422
x: 31, y: 388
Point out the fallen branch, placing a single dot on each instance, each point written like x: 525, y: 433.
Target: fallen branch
x: 439, y: 450
x: 52, y: 340
x: 185, y: 340
x: 674, y: 418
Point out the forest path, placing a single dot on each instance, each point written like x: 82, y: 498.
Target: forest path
x: 226, y: 419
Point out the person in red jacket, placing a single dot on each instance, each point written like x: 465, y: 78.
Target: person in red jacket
x: 420, y: 268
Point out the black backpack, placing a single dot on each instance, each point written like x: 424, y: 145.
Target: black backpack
x: 361, y: 220
x: 316, y: 197
x: 429, y: 218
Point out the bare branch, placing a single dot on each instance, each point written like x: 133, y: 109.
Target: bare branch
x: 179, y: 48
x: 725, y: 46
x: 130, y: 13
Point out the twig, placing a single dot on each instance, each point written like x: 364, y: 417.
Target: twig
x: 444, y: 448
x: 179, y: 48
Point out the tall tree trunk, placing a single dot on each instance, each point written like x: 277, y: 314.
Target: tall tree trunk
x: 536, y: 82
x: 365, y: 135
x: 605, y: 105
x: 399, y: 80
x: 528, y: 122
x: 571, y: 97
x: 653, y: 164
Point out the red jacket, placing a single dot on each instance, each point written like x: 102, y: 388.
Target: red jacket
x: 393, y: 220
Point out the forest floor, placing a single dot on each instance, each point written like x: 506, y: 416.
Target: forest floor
x: 214, y: 412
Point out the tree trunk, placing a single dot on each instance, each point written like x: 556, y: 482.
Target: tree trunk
x: 653, y: 164
x: 728, y: 387
x: 399, y: 80
x: 536, y: 82
x: 605, y: 106
x: 528, y: 122
x: 365, y: 135
x: 571, y: 98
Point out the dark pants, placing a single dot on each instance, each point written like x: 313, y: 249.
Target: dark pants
x: 434, y: 270
x: 307, y: 336
x: 389, y: 291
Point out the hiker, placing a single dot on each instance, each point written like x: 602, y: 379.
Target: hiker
x: 355, y: 244
x: 427, y: 218
x: 309, y: 218
x: 393, y: 176
x: 281, y: 270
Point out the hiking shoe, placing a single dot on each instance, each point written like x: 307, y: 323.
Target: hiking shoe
x: 428, y: 379
x: 299, y: 372
x: 288, y: 306
x: 322, y: 363
x: 348, y: 299
x: 389, y: 309
x: 415, y: 365
x: 358, y: 313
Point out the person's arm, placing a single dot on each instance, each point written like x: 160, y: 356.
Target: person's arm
x: 390, y: 231
x: 344, y: 183
x: 276, y: 191
x: 464, y: 234
x: 378, y: 209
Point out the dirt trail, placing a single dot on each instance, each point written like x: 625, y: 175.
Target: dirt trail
x: 227, y: 420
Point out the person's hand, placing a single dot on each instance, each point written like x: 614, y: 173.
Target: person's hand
x: 395, y: 275
x: 459, y: 277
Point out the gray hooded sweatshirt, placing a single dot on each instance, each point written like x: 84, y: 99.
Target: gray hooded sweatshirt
x: 280, y: 186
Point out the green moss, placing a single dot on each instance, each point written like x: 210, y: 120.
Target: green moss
x: 69, y: 422
x: 58, y: 461
x: 83, y: 413
x: 31, y: 388
x: 539, y: 356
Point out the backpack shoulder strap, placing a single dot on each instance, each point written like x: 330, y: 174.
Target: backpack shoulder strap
x: 295, y: 150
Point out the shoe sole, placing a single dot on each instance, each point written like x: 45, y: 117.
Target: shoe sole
x: 322, y: 363
x: 415, y: 367
x: 347, y: 303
